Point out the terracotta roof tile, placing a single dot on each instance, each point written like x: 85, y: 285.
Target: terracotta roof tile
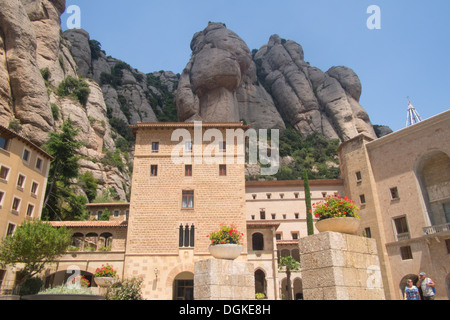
x: 89, y: 224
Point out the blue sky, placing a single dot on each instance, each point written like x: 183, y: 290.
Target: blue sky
x: 408, y: 56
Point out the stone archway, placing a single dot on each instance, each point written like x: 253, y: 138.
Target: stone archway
x: 183, y: 286
x: 260, y: 282
x: 404, y: 280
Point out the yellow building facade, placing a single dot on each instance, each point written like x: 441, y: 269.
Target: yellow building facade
x: 24, y: 170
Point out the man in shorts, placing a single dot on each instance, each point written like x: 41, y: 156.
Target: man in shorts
x: 427, y: 285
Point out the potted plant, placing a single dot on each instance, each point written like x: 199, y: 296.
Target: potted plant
x: 105, y: 276
x: 226, y: 243
x: 337, y: 214
x: 80, y: 282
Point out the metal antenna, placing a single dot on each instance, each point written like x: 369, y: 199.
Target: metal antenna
x: 413, y: 115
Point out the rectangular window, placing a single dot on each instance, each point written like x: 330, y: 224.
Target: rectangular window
x: 39, y: 163
x: 15, y: 204
x: 296, y: 195
x: 154, y: 171
x: 297, y: 215
x: 20, y: 181
x: 324, y: 194
x: 368, y: 233
x: 274, y: 216
x: 294, y: 235
x: 4, y: 143
x: 222, y: 170
x: 223, y: 146
x: 34, y: 188
x: 30, y: 210
x: 394, y: 193
x: 362, y: 199
x: 2, y: 196
x: 186, y: 236
x: 262, y: 215
x: 278, y: 236
x: 281, y: 195
x: 10, y: 230
x: 188, y: 200
x: 358, y: 176
x: 4, y: 171
x: 406, y: 253
x: 188, y: 170
x: 26, y: 155
x: 155, y: 147
x: 116, y: 213
x: 401, y: 228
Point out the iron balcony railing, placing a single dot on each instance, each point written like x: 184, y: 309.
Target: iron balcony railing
x: 436, y: 229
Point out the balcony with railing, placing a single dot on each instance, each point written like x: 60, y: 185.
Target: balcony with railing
x: 436, y: 229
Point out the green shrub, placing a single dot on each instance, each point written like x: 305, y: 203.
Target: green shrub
x: 76, y: 87
x: 31, y: 287
x: 55, y: 111
x: 126, y: 290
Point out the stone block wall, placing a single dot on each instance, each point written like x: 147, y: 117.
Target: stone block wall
x: 218, y: 279
x: 338, y: 266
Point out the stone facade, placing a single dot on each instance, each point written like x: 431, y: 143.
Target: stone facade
x: 169, y: 201
x: 401, y: 182
x: 24, y: 170
x: 338, y: 266
x: 218, y: 279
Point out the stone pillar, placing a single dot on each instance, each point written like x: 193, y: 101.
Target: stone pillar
x: 218, y: 279
x: 338, y: 266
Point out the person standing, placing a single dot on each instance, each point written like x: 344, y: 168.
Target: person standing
x: 427, y: 285
x: 411, y: 291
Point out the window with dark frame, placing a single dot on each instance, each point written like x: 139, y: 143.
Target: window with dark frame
x: 362, y: 199
x: 358, y: 176
x: 10, y: 230
x: 406, y: 253
x: 155, y: 147
x: 4, y: 143
x: 186, y: 236
x: 20, y: 180
x: 39, y: 163
x: 34, y: 188
x: 4, y: 172
x: 222, y: 170
x: 262, y: 215
x: 30, y: 210
x: 188, y: 170
x: 188, y: 200
x: 394, y: 193
x: 154, y: 171
x: 16, y: 204
x: 26, y: 155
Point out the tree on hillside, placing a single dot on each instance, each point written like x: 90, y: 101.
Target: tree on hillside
x: 61, y: 202
x: 34, y: 244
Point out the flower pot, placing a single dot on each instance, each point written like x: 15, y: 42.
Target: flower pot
x: 105, y: 281
x: 226, y: 251
x: 348, y: 225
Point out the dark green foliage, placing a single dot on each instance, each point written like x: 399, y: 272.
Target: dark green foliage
x: 96, y: 49
x: 113, y: 159
x: 45, y: 74
x: 309, y: 218
x: 55, y: 111
x: 34, y: 244
x: 31, y: 286
x: 76, y: 87
x: 311, y: 153
x: 61, y: 201
x: 89, y: 185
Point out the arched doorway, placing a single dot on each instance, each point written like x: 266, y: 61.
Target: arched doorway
x: 404, y: 281
x: 183, y: 286
x: 298, y: 289
x: 260, y: 282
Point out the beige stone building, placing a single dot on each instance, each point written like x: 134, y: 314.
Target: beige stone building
x: 280, y: 205
x: 24, y: 169
x: 402, y: 184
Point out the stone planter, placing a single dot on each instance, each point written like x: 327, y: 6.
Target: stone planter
x: 226, y: 251
x: 104, y: 282
x: 342, y: 225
